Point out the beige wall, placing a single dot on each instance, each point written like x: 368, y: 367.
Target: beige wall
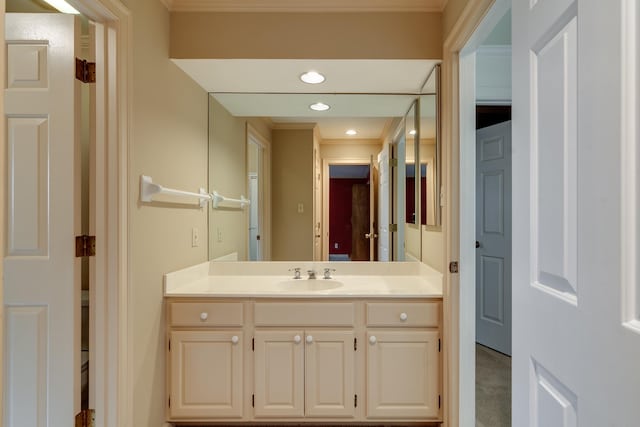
x: 451, y: 14
x: 168, y: 142
x: 227, y: 176
x: 292, y: 183
x: 288, y: 36
x: 344, y: 149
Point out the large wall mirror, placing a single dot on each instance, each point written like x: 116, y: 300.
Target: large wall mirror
x: 328, y: 176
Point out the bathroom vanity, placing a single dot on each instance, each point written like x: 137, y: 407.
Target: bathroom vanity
x: 249, y: 344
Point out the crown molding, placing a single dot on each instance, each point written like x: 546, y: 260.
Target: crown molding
x: 304, y: 5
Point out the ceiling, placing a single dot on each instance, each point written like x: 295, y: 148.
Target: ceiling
x: 363, y: 94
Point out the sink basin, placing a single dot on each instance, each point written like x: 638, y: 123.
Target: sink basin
x: 309, y: 285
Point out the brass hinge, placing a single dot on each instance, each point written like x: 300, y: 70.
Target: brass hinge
x: 355, y: 344
x: 169, y: 401
x: 169, y: 345
x: 85, y: 246
x: 439, y: 345
x: 253, y: 400
x: 439, y: 401
x: 86, y: 418
x: 355, y: 400
x: 393, y: 228
x: 453, y: 267
x: 85, y: 71
x: 393, y: 163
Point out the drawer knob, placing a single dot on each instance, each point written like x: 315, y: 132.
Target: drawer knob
x: 297, y: 339
x: 309, y: 339
x: 235, y: 339
x: 403, y: 316
x: 204, y: 316
x: 373, y: 339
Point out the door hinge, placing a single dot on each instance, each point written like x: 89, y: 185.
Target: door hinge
x: 86, y: 418
x: 453, y: 267
x: 439, y: 401
x: 355, y: 400
x: 393, y: 163
x: 85, y: 246
x: 169, y: 345
x: 393, y: 228
x: 169, y: 401
x: 439, y: 345
x: 253, y: 344
x: 355, y: 344
x: 85, y: 71
x: 253, y: 400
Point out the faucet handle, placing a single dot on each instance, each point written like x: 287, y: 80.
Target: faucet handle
x: 296, y: 272
x: 327, y: 272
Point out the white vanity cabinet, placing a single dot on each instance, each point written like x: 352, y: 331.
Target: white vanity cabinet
x: 306, y: 369
x: 304, y: 373
x: 314, y: 360
x: 403, y: 360
x: 205, y: 358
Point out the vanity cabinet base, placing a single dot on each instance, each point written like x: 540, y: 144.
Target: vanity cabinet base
x: 375, y: 362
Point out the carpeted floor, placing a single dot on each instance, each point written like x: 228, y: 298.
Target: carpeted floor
x: 493, y: 388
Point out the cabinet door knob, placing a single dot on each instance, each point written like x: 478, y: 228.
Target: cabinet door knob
x: 235, y: 339
x: 403, y: 316
x: 309, y: 339
x: 373, y: 339
x: 297, y: 339
x: 204, y: 316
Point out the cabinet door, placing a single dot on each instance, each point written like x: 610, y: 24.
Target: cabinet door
x: 329, y: 373
x: 403, y: 374
x: 206, y: 374
x: 279, y: 374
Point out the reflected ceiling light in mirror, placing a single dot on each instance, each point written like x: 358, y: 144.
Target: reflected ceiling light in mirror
x: 319, y: 106
x: 312, y: 77
x: 351, y: 132
x: 412, y: 132
x: 62, y: 6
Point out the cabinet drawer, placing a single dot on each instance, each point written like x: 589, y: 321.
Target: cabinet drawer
x: 422, y: 314
x: 205, y: 314
x: 304, y: 314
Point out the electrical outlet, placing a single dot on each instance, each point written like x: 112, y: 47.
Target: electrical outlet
x: 219, y: 235
x: 300, y: 208
x: 335, y: 245
x: 195, y: 238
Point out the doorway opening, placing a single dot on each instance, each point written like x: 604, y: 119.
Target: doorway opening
x: 349, y: 215
x: 485, y: 217
x: 258, y: 187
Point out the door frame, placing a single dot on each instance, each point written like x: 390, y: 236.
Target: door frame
x: 326, y: 162
x: 113, y: 390
x: 458, y: 135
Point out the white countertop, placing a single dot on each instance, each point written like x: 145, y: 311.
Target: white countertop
x: 266, y: 279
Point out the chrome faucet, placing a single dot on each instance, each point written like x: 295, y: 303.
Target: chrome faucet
x: 312, y: 274
x: 327, y: 272
x: 296, y: 273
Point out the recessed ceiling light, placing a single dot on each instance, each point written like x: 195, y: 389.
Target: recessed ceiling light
x: 412, y: 132
x: 351, y: 132
x: 319, y: 106
x: 312, y: 77
x: 63, y: 6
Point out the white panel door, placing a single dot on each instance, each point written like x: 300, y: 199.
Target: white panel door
x: 383, y: 206
x: 576, y: 341
x: 493, y: 237
x: 42, y: 286
x: 373, y: 213
x: 254, y: 223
